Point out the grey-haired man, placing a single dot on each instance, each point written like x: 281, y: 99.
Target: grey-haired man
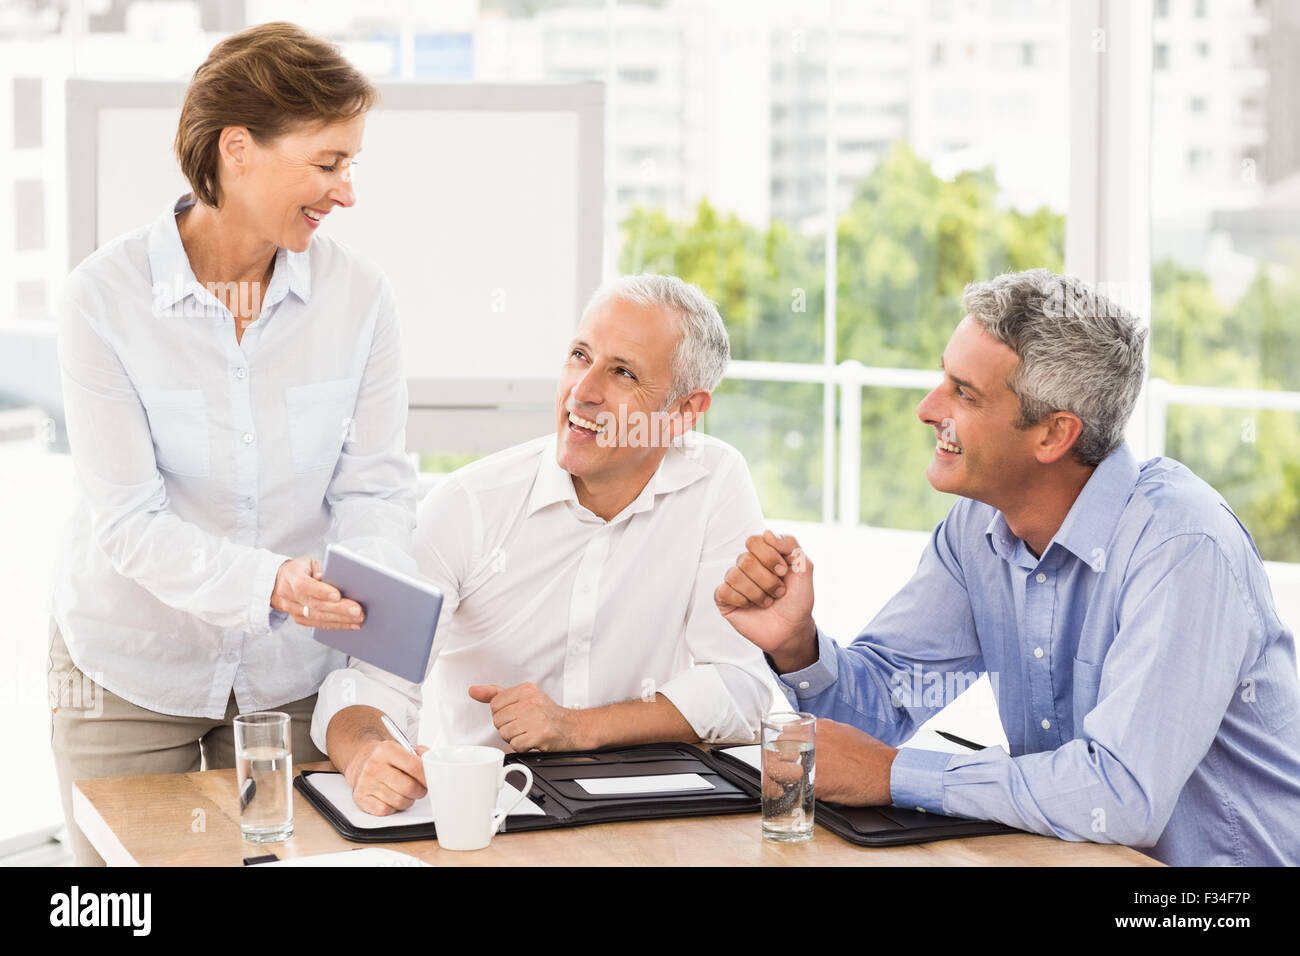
x: 578, y: 569
x: 1147, y: 688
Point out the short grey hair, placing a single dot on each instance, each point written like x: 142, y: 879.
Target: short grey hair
x: 1080, y: 352
x: 703, y: 351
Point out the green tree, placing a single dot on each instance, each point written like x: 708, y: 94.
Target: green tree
x: 1250, y: 456
x: 906, y: 246
x: 769, y: 286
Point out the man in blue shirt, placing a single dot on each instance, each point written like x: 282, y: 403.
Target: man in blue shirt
x: 1146, y: 685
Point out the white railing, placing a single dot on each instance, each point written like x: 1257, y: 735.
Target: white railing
x: 1161, y: 394
x: 842, y: 485
x: 851, y: 376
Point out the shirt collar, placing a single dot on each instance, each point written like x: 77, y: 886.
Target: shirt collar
x: 999, y: 536
x: 174, y: 279
x: 1088, y: 528
x: 553, y: 483
x: 1090, y: 523
x: 299, y: 271
x: 680, y: 467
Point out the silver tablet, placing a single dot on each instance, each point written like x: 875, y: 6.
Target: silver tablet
x: 401, y: 614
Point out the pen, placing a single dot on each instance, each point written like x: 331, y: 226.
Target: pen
x: 959, y: 740
x: 397, y: 734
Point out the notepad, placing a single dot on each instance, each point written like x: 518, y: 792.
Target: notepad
x: 334, y: 787
x: 658, y: 783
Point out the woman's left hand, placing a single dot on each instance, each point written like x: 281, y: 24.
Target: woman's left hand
x: 300, y: 593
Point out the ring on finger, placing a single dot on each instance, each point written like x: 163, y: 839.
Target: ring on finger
x: 306, y: 611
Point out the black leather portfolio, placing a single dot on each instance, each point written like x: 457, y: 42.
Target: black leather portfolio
x: 873, y: 826
x: 566, y: 803
x: 735, y: 788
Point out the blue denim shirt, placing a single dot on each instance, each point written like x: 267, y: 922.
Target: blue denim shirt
x: 1147, y: 688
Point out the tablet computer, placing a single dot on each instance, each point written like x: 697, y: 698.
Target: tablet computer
x: 401, y: 614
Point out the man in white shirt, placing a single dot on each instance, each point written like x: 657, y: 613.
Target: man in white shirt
x: 578, y: 569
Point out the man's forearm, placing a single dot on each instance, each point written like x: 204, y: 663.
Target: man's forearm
x: 634, y: 722
x: 351, y: 730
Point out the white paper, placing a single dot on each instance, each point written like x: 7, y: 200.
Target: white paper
x: 367, y: 856
x: 923, y: 739
x: 929, y: 739
x: 526, y: 807
x: 658, y: 783
x: 751, y: 754
x: 334, y: 788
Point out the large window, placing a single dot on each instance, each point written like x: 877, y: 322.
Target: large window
x: 832, y: 173
x: 1225, y: 249
x: 889, y: 152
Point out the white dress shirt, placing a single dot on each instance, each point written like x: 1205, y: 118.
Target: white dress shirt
x: 202, y: 464
x: 538, y: 588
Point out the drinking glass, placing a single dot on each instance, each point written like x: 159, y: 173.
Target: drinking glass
x: 263, y: 767
x: 789, y: 769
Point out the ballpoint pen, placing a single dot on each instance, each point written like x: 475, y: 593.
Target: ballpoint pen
x: 397, y: 734
x: 959, y: 740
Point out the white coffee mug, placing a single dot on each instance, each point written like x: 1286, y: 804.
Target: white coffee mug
x: 464, y: 783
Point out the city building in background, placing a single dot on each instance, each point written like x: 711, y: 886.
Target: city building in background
x: 740, y: 102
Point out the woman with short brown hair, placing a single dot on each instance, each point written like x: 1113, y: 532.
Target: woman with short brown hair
x: 235, y: 400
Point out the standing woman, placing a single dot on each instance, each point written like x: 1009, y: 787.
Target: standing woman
x: 235, y: 400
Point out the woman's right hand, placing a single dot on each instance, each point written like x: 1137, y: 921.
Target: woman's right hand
x: 300, y: 593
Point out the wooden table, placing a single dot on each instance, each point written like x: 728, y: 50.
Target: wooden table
x: 192, y: 819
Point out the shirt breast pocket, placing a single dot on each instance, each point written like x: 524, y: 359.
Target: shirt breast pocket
x: 178, y: 424
x: 1271, y: 695
x: 320, y: 420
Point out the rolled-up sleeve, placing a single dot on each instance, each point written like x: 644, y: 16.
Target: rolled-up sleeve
x: 209, y: 576
x: 729, y: 689
x: 361, y: 684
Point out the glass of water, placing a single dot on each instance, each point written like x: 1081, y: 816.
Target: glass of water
x: 788, y: 755
x: 263, y: 767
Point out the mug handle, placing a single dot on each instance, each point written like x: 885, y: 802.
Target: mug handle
x: 499, y: 816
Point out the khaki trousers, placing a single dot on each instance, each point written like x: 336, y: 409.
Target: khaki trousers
x: 95, y: 733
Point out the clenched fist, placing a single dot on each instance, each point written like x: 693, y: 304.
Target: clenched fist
x: 767, y: 596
